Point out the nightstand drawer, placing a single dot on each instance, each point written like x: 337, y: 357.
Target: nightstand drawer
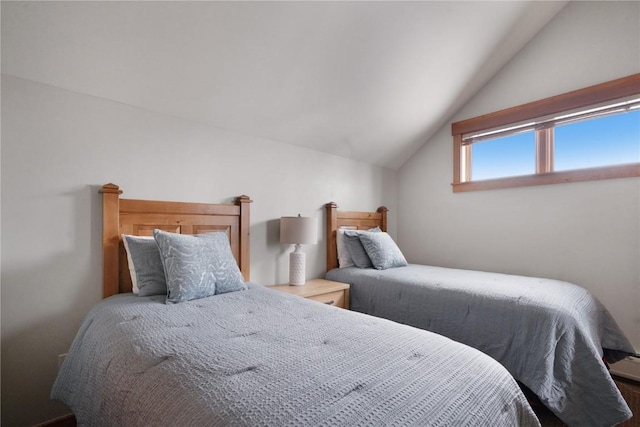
x: 336, y: 298
x: 321, y: 290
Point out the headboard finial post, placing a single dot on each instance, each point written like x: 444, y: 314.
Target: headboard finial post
x: 245, y: 226
x: 110, y: 238
x: 110, y: 188
x: 383, y: 211
x: 332, y: 220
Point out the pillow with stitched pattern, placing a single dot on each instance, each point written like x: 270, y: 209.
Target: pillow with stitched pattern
x: 198, y: 266
x: 382, y: 250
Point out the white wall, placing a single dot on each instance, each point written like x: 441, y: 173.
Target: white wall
x: 59, y: 147
x: 586, y: 233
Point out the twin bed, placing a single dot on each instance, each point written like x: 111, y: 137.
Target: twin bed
x: 552, y: 336
x: 256, y: 356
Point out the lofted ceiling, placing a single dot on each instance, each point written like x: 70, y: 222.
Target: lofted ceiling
x: 369, y: 81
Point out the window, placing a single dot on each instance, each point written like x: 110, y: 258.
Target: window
x: 592, y: 133
x: 504, y: 156
x: 603, y: 141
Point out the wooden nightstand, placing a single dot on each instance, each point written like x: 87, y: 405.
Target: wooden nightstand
x: 322, y: 290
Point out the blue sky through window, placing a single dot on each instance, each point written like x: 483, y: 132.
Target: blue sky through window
x: 605, y: 141
x: 507, y: 156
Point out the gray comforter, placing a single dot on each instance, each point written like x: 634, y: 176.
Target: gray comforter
x: 265, y: 358
x: 549, y: 334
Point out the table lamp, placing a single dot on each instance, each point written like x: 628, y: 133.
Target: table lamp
x: 298, y: 230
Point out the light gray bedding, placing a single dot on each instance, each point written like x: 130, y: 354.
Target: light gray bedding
x: 549, y: 334
x: 266, y: 358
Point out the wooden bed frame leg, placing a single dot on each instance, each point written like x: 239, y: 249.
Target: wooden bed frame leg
x: 110, y: 239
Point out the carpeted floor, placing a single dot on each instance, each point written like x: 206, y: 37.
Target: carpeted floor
x: 630, y: 391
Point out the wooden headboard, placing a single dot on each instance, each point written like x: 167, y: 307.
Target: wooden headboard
x: 141, y: 217
x: 351, y: 220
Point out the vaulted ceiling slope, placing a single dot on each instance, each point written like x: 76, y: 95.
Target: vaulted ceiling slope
x: 366, y: 80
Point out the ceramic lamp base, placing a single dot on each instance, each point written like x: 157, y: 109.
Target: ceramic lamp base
x: 296, y: 267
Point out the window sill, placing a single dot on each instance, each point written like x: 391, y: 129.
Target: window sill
x: 590, y: 174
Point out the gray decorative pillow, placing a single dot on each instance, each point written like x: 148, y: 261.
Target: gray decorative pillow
x: 382, y: 250
x: 344, y: 257
x: 198, y: 266
x: 356, y: 250
x: 145, y: 265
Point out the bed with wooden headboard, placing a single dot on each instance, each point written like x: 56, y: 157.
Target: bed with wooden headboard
x: 257, y: 356
x: 140, y: 217
x: 502, y: 315
x: 350, y: 220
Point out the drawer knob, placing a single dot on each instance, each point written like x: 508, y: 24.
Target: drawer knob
x: 329, y: 302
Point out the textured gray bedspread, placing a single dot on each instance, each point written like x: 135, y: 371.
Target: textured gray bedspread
x: 549, y: 334
x: 265, y: 358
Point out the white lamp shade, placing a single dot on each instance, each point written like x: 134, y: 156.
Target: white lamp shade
x: 298, y: 230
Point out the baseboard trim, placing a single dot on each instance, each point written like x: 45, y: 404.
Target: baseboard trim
x: 68, y: 420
